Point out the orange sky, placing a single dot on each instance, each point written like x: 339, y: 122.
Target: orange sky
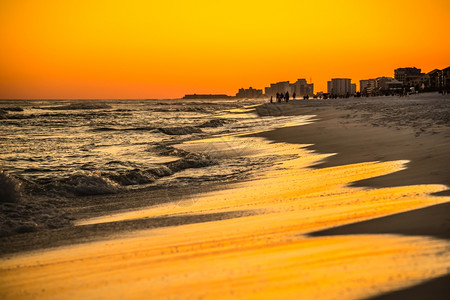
x: 165, y: 49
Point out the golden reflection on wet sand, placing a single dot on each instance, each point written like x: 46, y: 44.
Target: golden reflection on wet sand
x: 265, y: 255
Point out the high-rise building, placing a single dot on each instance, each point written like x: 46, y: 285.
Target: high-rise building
x: 340, y: 87
x: 411, y: 77
x: 363, y: 85
x: 439, y: 79
x: 367, y: 86
x: 279, y: 87
x: 404, y: 74
x: 302, y: 88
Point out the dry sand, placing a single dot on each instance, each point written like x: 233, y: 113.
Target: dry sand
x: 237, y: 244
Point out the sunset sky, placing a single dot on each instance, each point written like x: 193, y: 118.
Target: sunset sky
x: 165, y: 49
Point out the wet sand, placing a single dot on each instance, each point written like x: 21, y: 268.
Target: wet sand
x: 415, y: 128
x: 364, y: 129
x: 272, y: 236
x: 373, y: 133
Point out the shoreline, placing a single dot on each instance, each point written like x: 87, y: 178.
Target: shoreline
x: 424, y: 145
x: 342, y: 126
x: 335, y: 132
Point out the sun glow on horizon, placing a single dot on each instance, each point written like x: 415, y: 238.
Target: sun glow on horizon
x: 147, y: 49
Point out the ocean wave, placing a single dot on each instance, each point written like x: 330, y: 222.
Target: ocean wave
x: 215, y: 123
x: 143, y: 128
x: 92, y: 183
x: 77, y: 106
x: 134, y: 177
x: 37, y: 170
x: 87, y: 114
x: 10, y: 188
x: 6, y: 109
x: 105, y: 129
x: 187, y: 160
x: 204, y: 107
x: 180, y: 130
x: 19, y: 215
x: 196, y: 109
x: 115, y: 181
x: 183, y: 130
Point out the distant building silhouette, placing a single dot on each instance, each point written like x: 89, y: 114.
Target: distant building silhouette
x: 368, y: 86
x: 405, y: 79
x: 389, y: 85
x: 380, y: 86
x: 340, y: 87
x: 406, y: 74
x: 412, y: 77
x: 249, y: 93
x: 301, y: 88
x: 446, y: 78
x: 279, y: 87
x: 435, y: 78
x: 438, y: 80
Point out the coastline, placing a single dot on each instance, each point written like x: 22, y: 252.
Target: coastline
x: 332, y: 132
x: 340, y: 130
x: 378, y: 137
x: 369, y: 129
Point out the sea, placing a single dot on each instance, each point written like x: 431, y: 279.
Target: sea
x: 73, y: 148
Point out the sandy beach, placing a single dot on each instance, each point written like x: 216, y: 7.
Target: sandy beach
x: 358, y: 207
x: 416, y: 129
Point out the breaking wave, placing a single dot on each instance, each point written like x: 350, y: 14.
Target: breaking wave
x: 91, y: 184
x: 111, y: 182
x: 43, y: 116
x: 19, y: 215
x: 144, y: 128
x: 215, y: 123
x: 180, y: 130
x: 77, y: 106
x: 10, y: 188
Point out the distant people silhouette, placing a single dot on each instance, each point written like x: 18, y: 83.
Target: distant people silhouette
x: 271, y: 99
x: 286, y: 97
x: 293, y: 96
